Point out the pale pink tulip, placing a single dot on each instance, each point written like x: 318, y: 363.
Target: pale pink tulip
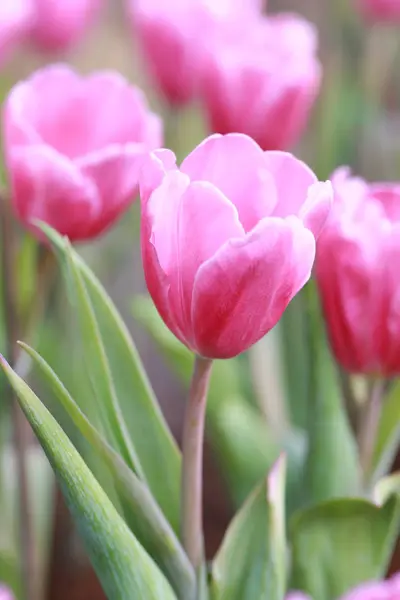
x: 5, y: 593
x: 59, y: 24
x: 74, y: 147
x: 173, y: 36
x: 297, y: 596
x: 228, y: 240
x: 16, y: 18
x: 357, y: 274
x: 262, y: 80
x: 379, y: 590
x: 380, y: 10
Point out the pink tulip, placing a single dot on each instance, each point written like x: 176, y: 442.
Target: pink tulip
x: 357, y: 275
x: 380, y: 590
x: 74, y: 146
x: 228, y: 240
x: 262, y: 80
x: 174, y: 35
x: 376, y: 590
x: 15, y: 21
x: 5, y: 593
x: 59, y: 24
x: 380, y: 10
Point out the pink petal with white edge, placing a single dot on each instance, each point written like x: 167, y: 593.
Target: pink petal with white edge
x: 235, y: 164
x: 66, y: 112
x: 204, y: 209
x: 48, y: 187
x: 241, y: 293
x: 115, y: 173
x: 292, y: 178
x: 314, y: 213
x: 154, y: 166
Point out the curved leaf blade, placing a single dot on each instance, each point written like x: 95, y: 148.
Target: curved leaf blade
x: 155, y: 450
x: 124, y: 568
x: 140, y: 510
x: 251, y: 562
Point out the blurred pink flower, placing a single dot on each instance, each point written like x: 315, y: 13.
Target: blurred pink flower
x: 380, y: 10
x: 173, y: 36
x: 379, y: 590
x: 357, y: 274
x: 5, y: 593
x: 228, y: 239
x: 262, y: 78
x: 73, y: 148
x: 59, y: 24
x: 375, y: 590
x: 15, y: 21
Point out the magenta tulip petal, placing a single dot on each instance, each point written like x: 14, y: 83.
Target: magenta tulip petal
x: 380, y: 10
x: 41, y: 182
x: 59, y: 25
x: 235, y: 164
x: 199, y: 207
x: 15, y: 19
x: 293, y: 179
x: 316, y: 209
x: 115, y: 173
x: 154, y: 166
x: 242, y: 291
x: 98, y: 124
x: 357, y: 277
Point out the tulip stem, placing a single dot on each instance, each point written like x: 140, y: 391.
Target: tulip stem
x: 20, y: 426
x: 192, y: 467
x: 369, y: 424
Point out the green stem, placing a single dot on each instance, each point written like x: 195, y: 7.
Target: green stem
x: 368, y: 427
x: 21, y: 428
x: 192, y: 467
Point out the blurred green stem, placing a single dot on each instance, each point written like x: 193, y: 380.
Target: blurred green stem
x: 368, y: 427
x: 192, y: 467
x: 21, y: 429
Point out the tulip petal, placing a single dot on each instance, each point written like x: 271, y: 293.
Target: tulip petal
x: 242, y: 291
x: 154, y: 166
x: 115, y: 173
x: 315, y: 211
x: 176, y: 212
x: 293, y: 179
x: 235, y: 164
x: 78, y: 115
x: 48, y: 187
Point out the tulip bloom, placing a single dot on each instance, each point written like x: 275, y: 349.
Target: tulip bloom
x: 375, y: 590
x: 380, y: 10
x: 15, y: 20
x: 173, y: 37
x: 74, y: 147
x: 59, y: 24
x: 228, y: 240
x: 5, y: 593
x: 262, y: 80
x: 357, y: 274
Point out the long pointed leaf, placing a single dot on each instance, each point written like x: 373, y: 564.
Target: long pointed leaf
x: 124, y: 568
x: 155, y: 450
x: 251, y: 562
x: 141, y: 512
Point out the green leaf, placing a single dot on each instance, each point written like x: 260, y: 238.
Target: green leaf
x: 332, y: 465
x: 388, y: 436
x: 140, y: 510
x: 121, y: 384
x: 124, y: 568
x: 387, y: 487
x: 341, y: 543
x: 251, y: 562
